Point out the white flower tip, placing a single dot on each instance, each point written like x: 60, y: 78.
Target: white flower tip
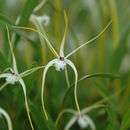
x: 60, y: 64
x: 11, y: 79
x: 83, y: 123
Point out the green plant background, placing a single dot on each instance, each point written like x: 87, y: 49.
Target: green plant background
x: 110, y: 53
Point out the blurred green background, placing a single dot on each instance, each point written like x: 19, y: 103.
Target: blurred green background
x: 110, y: 53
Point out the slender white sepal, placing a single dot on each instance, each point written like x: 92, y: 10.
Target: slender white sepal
x: 70, y: 123
x: 43, y: 36
x: 64, y: 36
x: 76, y: 79
x: 14, y: 77
x: 89, y: 40
x: 8, y: 69
x: 43, y: 82
x: 7, y: 117
x: 26, y: 102
x: 67, y: 77
x: 14, y: 60
x: 27, y: 72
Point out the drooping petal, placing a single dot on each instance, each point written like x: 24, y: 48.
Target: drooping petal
x: 67, y: 77
x: 89, y: 40
x: 26, y: 102
x: 43, y: 82
x: 7, y: 117
x: 90, y: 122
x: 76, y: 79
x: 14, y: 60
x: 42, y: 35
x: 27, y: 72
x: 64, y: 36
x: 70, y: 123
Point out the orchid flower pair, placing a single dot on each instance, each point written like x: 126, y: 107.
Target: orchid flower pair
x: 14, y: 76
x: 7, y: 117
x: 84, y: 122
x: 61, y: 60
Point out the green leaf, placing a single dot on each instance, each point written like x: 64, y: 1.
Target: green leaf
x: 27, y: 11
x: 40, y: 119
x: 110, y: 114
x: 29, y: 80
x: 25, y: 15
x: 37, y: 118
x: 111, y: 118
x: 3, y: 124
x: 3, y: 62
x: 126, y: 121
x: 102, y: 90
x: 5, y: 20
x: 120, y: 51
x: 109, y: 75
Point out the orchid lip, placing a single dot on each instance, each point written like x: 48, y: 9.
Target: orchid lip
x: 61, y: 58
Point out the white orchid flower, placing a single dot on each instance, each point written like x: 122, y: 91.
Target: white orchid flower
x: 83, y: 122
x: 61, y: 60
x: 44, y: 19
x: 14, y: 76
x: 7, y: 117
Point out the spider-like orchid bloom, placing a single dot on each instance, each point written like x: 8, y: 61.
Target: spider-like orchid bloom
x: 14, y: 76
x: 44, y: 19
x: 83, y: 122
x: 7, y: 117
x: 61, y: 60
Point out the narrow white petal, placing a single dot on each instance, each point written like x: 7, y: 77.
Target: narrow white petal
x: 70, y: 123
x: 64, y: 36
x: 86, y: 110
x: 26, y: 102
x: 7, y: 117
x: 89, y: 40
x: 8, y: 69
x: 4, y: 75
x: 43, y: 82
x: 76, y: 79
x: 11, y: 48
x: 42, y: 35
x: 67, y: 77
x: 27, y: 72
